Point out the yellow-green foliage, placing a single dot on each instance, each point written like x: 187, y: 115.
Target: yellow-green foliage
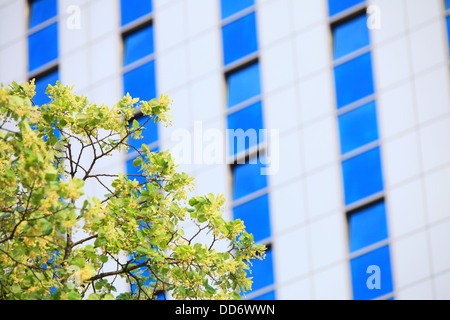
x: 42, y: 204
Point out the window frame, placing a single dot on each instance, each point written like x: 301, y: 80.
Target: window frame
x: 137, y: 21
x: 334, y: 21
x: 52, y: 65
x: 253, y: 152
x: 447, y: 24
x: 239, y: 57
x: 125, y: 30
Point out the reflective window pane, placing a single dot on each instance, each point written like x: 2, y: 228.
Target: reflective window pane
x: 161, y: 296
x: 447, y: 4
x: 448, y: 29
x: 149, y: 133
x: 239, y: 38
x: 43, y: 47
x: 255, y: 215
x: 354, y: 80
x: 358, y: 127
x: 362, y: 175
x: 42, y: 83
x: 229, y: 7
x: 41, y: 11
x: 140, y: 82
x: 138, y: 45
x: 350, y: 36
x: 371, y: 274
x: 262, y: 272
x: 243, y: 84
x: 134, y: 9
x: 247, y: 178
x: 244, y: 128
x: 367, y: 226
x: 337, y: 6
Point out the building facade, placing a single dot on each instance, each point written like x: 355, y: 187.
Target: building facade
x: 354, y: 98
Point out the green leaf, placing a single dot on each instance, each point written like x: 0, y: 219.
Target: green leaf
x: 78, y: 261
x: 210, y: 289
x: 82, y: 118
x: 259, y: 246
x: 108, y: 296
x: 103, y: 258
x: 142, y: 250
x: 201, y: 217
x: 165, y: 268
x: 73, y: 295
x: 145, y: 148
x: 16, y: 288
x: 51, y: 174
x: 137, y: 162
x: 94, y: 296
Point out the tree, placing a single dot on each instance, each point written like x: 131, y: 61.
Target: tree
x: 43, y: 171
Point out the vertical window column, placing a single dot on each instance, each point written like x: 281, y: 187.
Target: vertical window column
x: 42, y: 46
x: 245, y: 145
x: 447, y: 14
x: 139, y: 71
x: 139, y: 80
x: 362, y: 173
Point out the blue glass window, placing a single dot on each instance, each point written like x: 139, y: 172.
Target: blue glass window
x: 229, y: 7
x: 43, y: 47
x: 367, y: 226
x: 246, y: 124
x: 134, y: 9
x: 447, y: 4
x: 243, y: 84
x: 362, y: 175
x: 247, y: 178
x: 239, y: 38
x: 41, y: 11
x: 365, y: 270
x: 255, y: 215
x: 160, y: 296
x: 149, y: 133
x: 138, y: 45
x: 350, y: 36
x: 41, y: 85
x: 337, y: 6
x: 354, y: 80
x: 140, y: 82
x: 358, y: 127
x: 448, y: 28
x: 262, y: 272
